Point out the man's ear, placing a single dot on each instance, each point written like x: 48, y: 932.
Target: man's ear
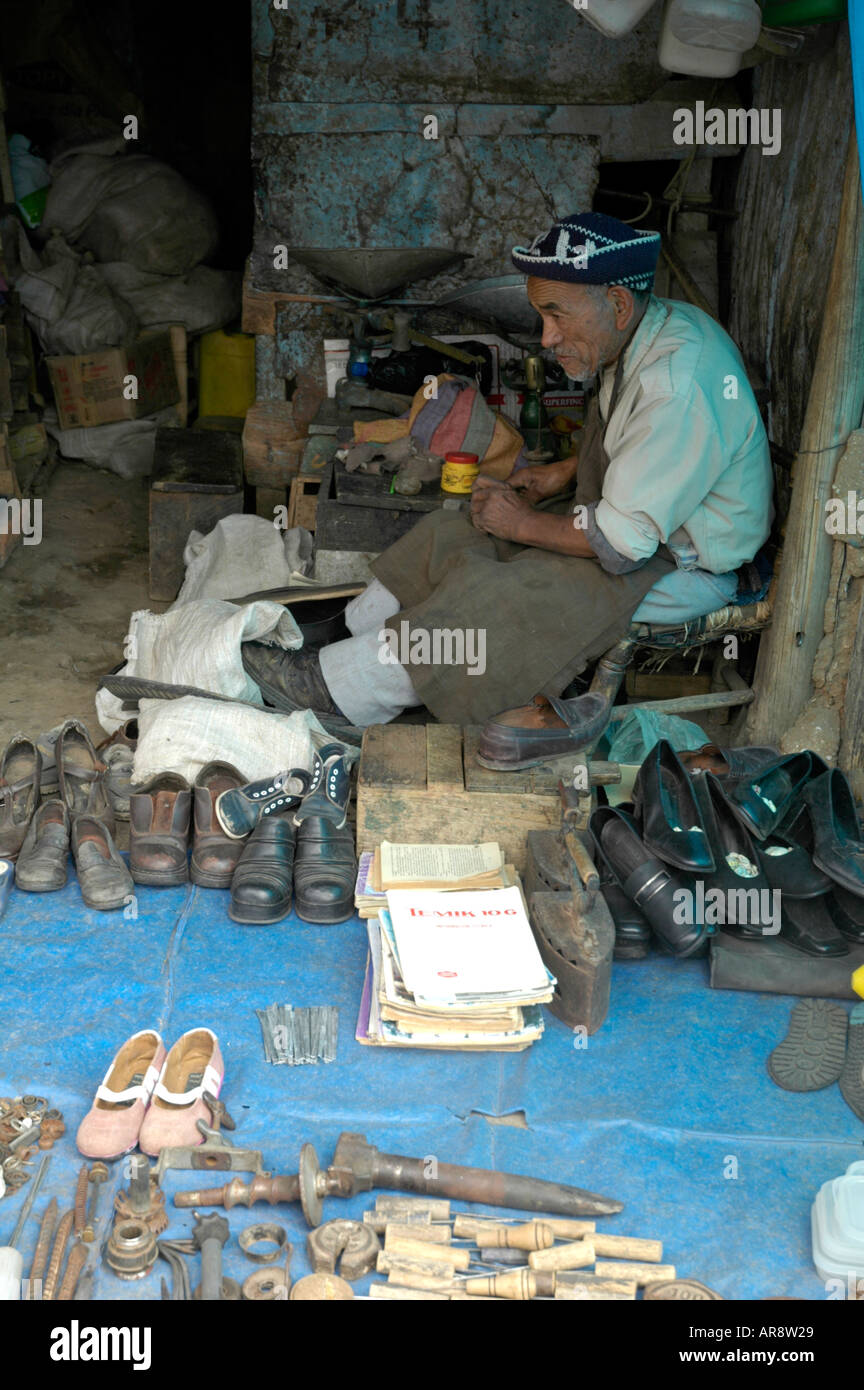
x: 623, y: 304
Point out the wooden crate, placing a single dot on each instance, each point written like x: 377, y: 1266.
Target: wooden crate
x: 422, y: 783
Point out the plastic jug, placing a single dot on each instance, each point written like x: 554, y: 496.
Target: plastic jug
x: 614, y: 17
x: 692, y: 59
x: 731, y: 24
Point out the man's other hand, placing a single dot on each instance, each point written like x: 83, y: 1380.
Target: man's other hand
x: 544, y: 479
x: 497, y: 509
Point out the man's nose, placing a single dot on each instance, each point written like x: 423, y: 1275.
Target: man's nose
x: 552, y: 335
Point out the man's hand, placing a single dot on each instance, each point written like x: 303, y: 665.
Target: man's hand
x: 544, y: 479
x: 497, y: 509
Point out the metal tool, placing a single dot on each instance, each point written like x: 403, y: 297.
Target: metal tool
x: 350, y: 1244
x: 40, y: 1254
x: 174, y: 1252
x: 11, y: 1263
x: 98, y: 1175
x: 76, y: 1262
x: 321, y: 1288
x: 58, y: 1254
x: 210, y: 1234
x: 132, y: 1249
x: 268, y: 1285
x: 144, y: 1200
x: 358, y: 1167
x: 266, y: 1233
x: 217, y: 1152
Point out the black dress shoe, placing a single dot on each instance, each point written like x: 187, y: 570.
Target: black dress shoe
x: 667, y: 813
x: 632, y: 928
x: 736, y: 859
x: 806, y: 924
x: 787, y: 858
x: 288, y: 680
x: 847, y: 914
x: 646, y: 881
x: 262, y: 882
x: 838, y: 848
x: 325, y: 871
x: 763, y: 800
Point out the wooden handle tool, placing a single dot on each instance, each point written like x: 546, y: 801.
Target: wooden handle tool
x: 629, y: 1248
x: 577, y: 1254
x: 630, y: 1269
x: 531, y: 1235
x: 519, y: 1284
x: 456, y: 1256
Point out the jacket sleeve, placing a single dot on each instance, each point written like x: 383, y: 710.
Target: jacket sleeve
x: 667, y: 460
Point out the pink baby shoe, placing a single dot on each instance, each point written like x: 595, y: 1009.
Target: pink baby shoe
x: 112, y: 1125
x: 194, y: 1065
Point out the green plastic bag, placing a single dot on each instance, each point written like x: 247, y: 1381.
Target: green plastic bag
x: 633, y: 735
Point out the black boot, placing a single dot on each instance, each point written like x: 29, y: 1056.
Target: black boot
x: 263, y: 880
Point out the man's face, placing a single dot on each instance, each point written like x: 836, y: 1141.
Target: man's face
x: 579, y: 324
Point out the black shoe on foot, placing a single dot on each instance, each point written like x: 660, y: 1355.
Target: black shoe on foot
x: 288, y: 680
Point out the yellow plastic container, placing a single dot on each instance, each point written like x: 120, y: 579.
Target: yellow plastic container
x: 858, y: 981
x: 459, y: 472
x: 227, y: 374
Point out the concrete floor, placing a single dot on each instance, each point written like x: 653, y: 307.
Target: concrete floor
x: 65, y: 603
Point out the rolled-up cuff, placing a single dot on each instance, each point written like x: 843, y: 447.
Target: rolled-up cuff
x: 610, y: 559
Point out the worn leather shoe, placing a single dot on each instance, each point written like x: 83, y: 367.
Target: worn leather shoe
x: 547, y: 728
x: 214, y: 854
x: 288, y: 680
x: 262, y: 884
x: 668, y: 814
x: 159, y: 815
x: 330, y: 788
x: 325, y: 871
x: 103, y: 878
x: 20, y: 776
x: 81, y: 774
x: 838, y: 844
x: 42, y: 865
x: 239, y: 809
x: 764, y: 799
x: 646, y: 881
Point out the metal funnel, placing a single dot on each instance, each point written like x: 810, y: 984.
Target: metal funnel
x: 374, y: 274
x: 503, y: 301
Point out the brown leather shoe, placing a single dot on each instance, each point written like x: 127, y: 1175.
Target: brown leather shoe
x: 81, y: 774
x: 159, y: 815
x: 214, y: 856
x: 20, y: 774
x: 127, y: 735
x: 547, y: 728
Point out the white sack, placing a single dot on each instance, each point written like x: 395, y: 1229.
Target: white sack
x: 241, y: 555
x: 183, y: 735
x: 202, y: 300
x: 198, y: 644
x: 129, y: 207
x: 126, y: 447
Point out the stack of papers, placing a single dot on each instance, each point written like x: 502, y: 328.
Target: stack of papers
x: 454, y: 970
x: 437, y: 866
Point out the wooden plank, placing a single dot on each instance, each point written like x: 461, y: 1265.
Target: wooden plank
x: 267, y: 499
x: 787, y: 651
x: 414, y: 816
x: 444, y: 758
x: 484, y: 779
x: 393, y: 755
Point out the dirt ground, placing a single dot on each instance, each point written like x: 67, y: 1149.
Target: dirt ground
x: 65, y: 603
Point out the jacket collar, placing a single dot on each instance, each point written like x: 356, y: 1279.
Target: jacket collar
x: 649, y: 326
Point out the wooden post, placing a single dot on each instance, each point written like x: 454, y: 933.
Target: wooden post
x: 834, y: 408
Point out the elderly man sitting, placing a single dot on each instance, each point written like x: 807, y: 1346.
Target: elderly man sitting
x: 670, y: 495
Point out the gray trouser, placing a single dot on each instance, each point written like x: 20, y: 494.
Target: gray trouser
x: 370, y: 689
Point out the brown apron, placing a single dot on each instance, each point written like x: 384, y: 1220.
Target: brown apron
x: 545, y: 616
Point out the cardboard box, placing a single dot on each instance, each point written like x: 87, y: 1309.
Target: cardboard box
x: 89, y: 389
